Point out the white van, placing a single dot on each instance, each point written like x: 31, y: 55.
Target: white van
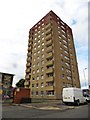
x: 73, y: 95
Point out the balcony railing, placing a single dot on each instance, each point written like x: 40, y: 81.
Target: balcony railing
x: 48, y: 63
x: 49, y: 49
x: 49, y: 88
x: 48, y: 37
x: 49, y: 42
x: 47, y: 26
x: 49, y: 70
x: 48, y: 31
x: 49, y: 55
x: 49, y: 79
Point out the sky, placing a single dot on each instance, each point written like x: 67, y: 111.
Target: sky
x: 18, y: 16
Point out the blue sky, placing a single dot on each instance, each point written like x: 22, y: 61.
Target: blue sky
x: 18, y: 16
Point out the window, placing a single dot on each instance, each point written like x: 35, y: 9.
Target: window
x: 60, y: 48
x: 42, y: 55
x: 39, y: 31
x: 33, y: 65
x: 37, y: 70
x: 42, y: 44
x: 42, y: 69
x: 34, y: 53
x: 38, y: 41
x: 35, y: 38
x: 39, y: 27
x: 38, y: 46
x: 43, y: 38
x: 36, y: 92
x: 43, y: 33
x: 38, y: 51
x: 35, y: 34
x: 35, y: 48
x: 42, y: 62
x: 34, y: 60
x: 37, y: 78
x: 32, y: 93
x: 42, y: 85
x: 35, y: 43
x: 32, y: 85
x: 38, y: 64
x: 43, y: 24
x: 33, y: 72
x: 63, y: 76
x: 38, y: 57
x: 42, y: 76
x: 42, y: 93
x: 35, y: 29
x: 68, y: 77
x: 39, y: 36
x: 42, y: 28
x: 42, y: 49
x: 62, y: 68
x: 37, y: 85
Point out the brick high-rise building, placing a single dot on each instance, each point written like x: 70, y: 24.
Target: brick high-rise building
x: 51, y: 58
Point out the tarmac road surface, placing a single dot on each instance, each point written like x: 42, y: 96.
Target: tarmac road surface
x: 26, y: 112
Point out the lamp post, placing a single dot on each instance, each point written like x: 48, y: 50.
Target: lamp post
x: 84, y: 75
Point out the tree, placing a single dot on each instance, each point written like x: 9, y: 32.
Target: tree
x: 20, y: 83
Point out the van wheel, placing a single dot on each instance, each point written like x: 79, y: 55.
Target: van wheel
x: 78, y: 102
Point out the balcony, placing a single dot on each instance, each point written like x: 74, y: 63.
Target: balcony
x: 49, y: 88
x: 28, y: 59
x: 27, y: 70
x: 48, y: 31
x: 27, y: 76
x: 49, y: 49
x: 49, y: 55
x: 49, y: 70
x: 29, y: 54
x: 28, y: 64
x: 48, y: 26
x: 48, y: 63
x: 29, y: 49
x: 48, y: 37
x: 49, y: 79
x: 49, y: 42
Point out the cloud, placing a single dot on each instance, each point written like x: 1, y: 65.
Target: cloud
x: 18, y: 16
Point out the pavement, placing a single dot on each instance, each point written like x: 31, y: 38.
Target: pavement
x: 47, y: 105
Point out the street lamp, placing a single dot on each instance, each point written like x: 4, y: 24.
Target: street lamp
x: 84, y: 75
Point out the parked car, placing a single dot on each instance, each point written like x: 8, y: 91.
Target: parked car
x: 87, y: 97
x: 6, y: 97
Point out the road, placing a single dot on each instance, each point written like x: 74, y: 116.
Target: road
x: 23, y: 112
